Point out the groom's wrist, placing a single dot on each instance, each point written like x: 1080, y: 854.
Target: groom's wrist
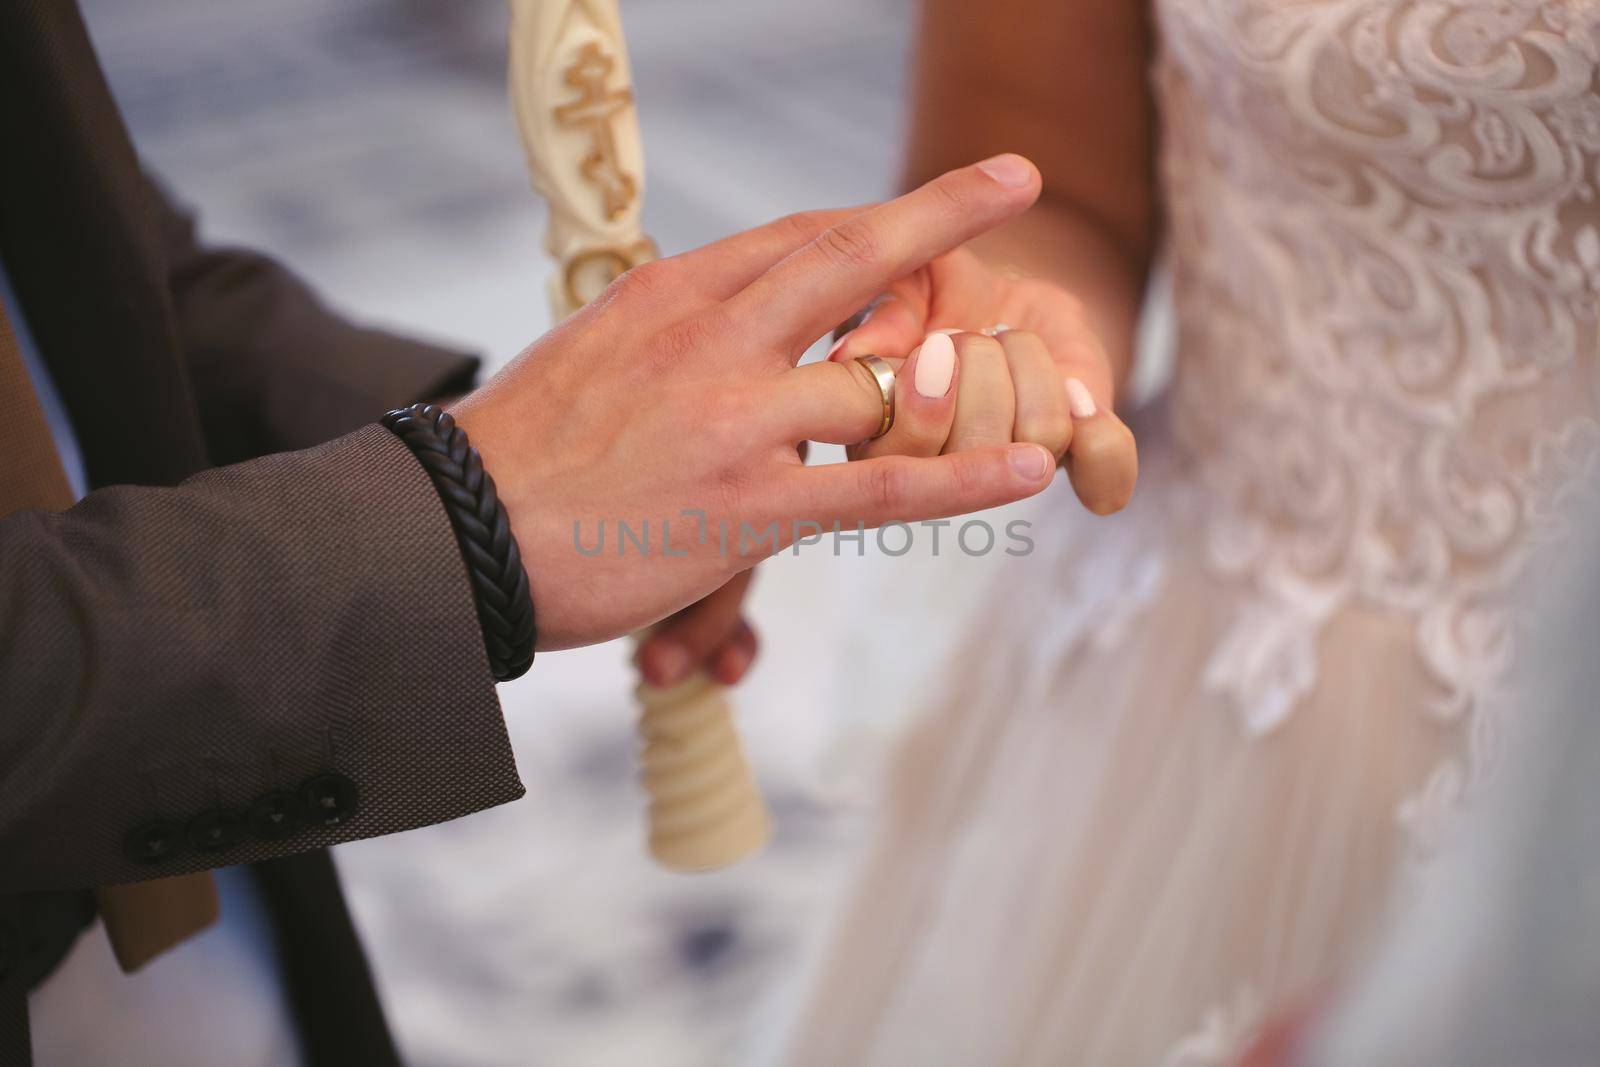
x: 483, y: 533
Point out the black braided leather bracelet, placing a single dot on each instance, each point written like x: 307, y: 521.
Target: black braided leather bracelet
x: 505, y: 610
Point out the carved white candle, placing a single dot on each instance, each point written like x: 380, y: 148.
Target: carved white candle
x: 572, y: 93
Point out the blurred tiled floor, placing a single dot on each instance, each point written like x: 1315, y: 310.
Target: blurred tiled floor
x: 368, y: 143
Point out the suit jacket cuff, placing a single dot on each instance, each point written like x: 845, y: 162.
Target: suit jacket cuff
x: 199, y: 651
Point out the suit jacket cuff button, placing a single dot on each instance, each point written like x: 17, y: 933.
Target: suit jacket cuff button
x: 152, y: 841
x: 329, y: 799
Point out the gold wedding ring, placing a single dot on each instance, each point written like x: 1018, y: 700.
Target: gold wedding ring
x: 883, y: 374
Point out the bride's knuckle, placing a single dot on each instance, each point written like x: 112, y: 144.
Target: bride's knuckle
x: 977, y: 346
x: 1096, y: 449
x: 1052, y: 431
x: 989, y: 425
x: 1113, y: 443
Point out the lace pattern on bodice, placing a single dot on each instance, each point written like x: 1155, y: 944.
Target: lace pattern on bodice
x: 1386, y: 250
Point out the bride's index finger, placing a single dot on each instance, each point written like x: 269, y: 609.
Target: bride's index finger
x: 828, y: 278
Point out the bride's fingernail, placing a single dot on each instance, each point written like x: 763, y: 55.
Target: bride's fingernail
x: 950, y: 331
x: 936, y: 365
x: 1008, y: 169
x: 996, y: 330
x: 839, y: 343
x: 1030, y: 461
x: 1079, y: 400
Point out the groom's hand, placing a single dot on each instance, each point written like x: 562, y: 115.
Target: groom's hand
x: 672, y: 406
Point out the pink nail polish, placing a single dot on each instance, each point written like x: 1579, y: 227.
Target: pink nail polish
x: 1030, y: 461
x: 936, y: 365
x: 1079, y: 400
x: 950, y: 331
x: 839, y: 344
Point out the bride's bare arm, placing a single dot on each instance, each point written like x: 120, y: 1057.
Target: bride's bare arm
x: 1064, y: 82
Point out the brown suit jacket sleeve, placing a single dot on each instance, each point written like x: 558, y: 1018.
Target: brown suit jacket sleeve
x: 272, y: 368
x: 170, y: 657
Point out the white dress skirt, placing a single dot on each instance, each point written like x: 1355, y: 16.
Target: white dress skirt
x: 1189, y: 749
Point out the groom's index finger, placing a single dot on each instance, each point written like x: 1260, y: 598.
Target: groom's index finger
x: 850, y: 262
x: 726, y: 266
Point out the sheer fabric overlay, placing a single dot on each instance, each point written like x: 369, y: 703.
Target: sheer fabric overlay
x: 1191, y: 746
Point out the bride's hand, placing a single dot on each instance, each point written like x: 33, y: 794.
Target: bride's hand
x: 1045, y: 378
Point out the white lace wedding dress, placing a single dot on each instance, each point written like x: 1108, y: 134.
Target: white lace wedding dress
x: 1186, y: 755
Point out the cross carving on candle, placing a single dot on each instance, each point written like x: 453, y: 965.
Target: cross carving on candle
x: 595, y: 107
